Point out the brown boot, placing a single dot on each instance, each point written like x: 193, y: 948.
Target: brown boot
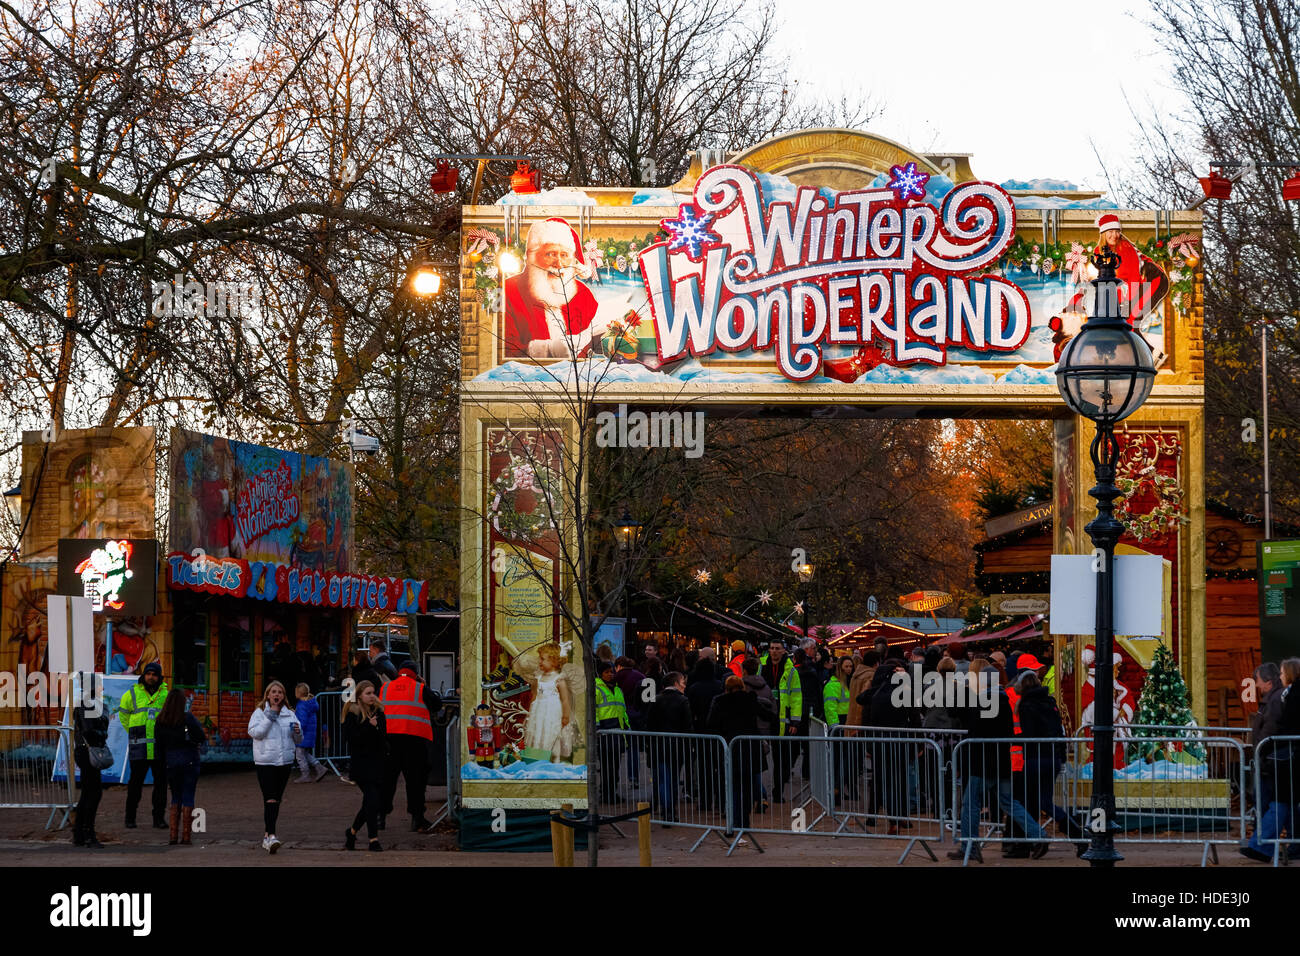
x: 187, y: 824
x: 173, y: 824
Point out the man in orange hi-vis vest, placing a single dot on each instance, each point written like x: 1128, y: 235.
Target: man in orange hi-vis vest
x: 409, y: 708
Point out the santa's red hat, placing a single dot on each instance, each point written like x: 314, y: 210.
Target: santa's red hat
x: 557, y: 232
x: 1107, y: 222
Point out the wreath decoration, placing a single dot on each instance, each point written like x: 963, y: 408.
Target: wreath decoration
x: 523, y: 495
x: 1167, y: 514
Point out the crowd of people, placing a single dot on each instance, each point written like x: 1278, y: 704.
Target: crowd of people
x: 387, y: 721
x: 771, y: 692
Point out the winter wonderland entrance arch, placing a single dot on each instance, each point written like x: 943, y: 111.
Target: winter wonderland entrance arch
x: 826, y: 272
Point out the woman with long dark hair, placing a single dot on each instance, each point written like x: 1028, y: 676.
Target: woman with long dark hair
x: 90, y: 731
x: 180, y: 735
x: 366, y: 732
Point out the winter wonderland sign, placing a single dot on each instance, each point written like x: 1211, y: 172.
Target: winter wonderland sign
x: 879, y: 269
x: 745, y: 276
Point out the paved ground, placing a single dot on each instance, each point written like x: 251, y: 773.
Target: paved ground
x: 315, y: 816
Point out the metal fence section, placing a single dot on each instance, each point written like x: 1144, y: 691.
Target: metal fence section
x: 683, y: 776
x: 451, y: 806
x: 1277, y: 791
x: 1178, y: 790
x: 331, y: 749
x: 1001, y: 788
x: 27, y: 768
x: 1167, y: 790
x: 889, y: 786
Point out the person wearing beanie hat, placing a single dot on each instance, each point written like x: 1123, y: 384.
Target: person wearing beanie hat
x: 138, y: 711
x: 548, y: 309
x: 737, y: 662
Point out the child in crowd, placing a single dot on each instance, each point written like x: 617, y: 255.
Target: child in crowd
x: 311, y: 769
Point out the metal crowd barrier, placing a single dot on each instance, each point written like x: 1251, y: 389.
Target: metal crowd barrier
x: 28, y: 757
x: 1277, y: 794
x: 681, y: 775
x: 914, y: 785
x: 331, y: 749
x: 1173, y: 797
x: 451, y: 806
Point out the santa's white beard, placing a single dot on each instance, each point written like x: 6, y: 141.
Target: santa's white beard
x: 554, y: 291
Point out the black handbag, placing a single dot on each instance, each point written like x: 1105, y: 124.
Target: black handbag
x: 101, y: 758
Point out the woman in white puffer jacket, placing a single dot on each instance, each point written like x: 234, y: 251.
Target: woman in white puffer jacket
x: 276, y: 731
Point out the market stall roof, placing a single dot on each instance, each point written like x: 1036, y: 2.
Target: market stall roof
x: 895, y: 633
x: 1022, y: 629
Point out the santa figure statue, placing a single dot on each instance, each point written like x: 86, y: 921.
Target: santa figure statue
x: 1121, y: 707
x: 548, y: 310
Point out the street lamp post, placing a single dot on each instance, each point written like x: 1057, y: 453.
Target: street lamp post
x: 1105, y: 374
x: 628, y: 532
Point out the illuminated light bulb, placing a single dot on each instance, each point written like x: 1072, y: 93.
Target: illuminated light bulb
x: 510, y: 264
x: 426, y: 282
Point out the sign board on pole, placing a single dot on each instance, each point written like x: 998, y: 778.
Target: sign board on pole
x: 1013, y: 604
x: 1139, y: 590
x: 1279, y: 598
x: 1020, y: 519
x: 72, y: 634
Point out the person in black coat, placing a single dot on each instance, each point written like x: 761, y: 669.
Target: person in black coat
x: 986, y: 769
x: 669, y: 713
x: 366, y: 733
x: 735, y: 713
x: 181, y: 737
x: 890, y: 763
x: 706, y: 757
x: 90, y: 731
x: 1039, y: 717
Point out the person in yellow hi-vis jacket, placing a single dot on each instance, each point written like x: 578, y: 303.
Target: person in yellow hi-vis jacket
x: 782, y: 676
x: 138, y: 710
x: 611, y: 714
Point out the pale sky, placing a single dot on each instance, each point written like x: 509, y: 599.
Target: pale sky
x: 1028, y: 88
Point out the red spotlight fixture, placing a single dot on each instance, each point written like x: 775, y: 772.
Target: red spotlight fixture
x: 444, y: 178
x: 524, y: 179
x: 1216, y: 187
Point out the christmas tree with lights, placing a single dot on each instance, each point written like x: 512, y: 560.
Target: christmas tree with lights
x: 1164, y: 703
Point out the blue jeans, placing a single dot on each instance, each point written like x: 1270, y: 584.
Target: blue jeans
x: 183, y: 779
x: 973, y: 800
x: 666, y: 775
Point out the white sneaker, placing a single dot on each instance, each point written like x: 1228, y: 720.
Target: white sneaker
x: 266, y: 843
x: 272, y: 844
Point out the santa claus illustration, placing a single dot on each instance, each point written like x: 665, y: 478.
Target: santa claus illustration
x: 548, y: 310
x: 1142, y: 290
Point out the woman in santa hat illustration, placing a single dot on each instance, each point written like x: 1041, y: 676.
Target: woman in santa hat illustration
x: 1142, y: 290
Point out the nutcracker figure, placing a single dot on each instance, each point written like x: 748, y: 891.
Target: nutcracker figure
x: 484, y: 736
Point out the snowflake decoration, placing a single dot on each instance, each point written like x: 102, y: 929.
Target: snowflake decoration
x: 702, y: 576
x: 908, y: 181
x: 798, y: 607
x: 765, y: 598
x: 690, y: 231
